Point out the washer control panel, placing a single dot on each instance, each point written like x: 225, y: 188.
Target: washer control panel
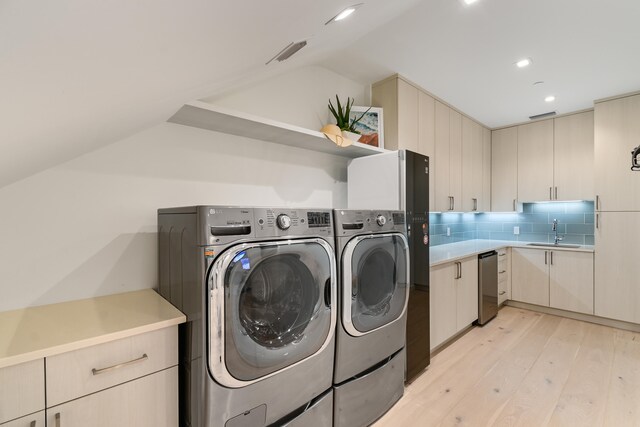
x: 276, y: 222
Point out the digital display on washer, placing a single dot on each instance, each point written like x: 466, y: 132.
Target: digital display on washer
x: 318, y: 219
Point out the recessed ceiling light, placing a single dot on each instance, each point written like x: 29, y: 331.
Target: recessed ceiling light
x: 523, y: 63
x: 470, y: 1
x: 550, y: 98
x: 344, y: 13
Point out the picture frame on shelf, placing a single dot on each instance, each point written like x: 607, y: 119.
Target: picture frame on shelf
x: 370, y: 126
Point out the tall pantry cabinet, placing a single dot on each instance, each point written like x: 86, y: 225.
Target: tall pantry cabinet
x: 458, y: 147
x: 617, y: 132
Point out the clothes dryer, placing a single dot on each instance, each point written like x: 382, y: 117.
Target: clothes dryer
x: 373, y: 258
x: 258, y: 286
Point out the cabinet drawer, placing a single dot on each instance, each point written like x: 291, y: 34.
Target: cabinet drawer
x: 78, y: 373
x: 33, y: 420
x: 151, y: 401
x: 21, y: 390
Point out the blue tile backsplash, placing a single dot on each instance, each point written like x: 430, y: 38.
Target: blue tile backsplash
x: 575, y: 224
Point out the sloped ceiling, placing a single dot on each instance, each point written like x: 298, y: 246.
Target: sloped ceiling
x: 79, y: 74
x: 583, y: 50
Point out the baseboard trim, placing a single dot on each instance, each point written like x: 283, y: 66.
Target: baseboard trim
x: 619, y: 324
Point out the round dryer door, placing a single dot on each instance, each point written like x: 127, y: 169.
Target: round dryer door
x: 375, y: 288
x: 276, y: 307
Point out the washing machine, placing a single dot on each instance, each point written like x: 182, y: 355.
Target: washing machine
x: 373, y: 266
x: 258, y: 286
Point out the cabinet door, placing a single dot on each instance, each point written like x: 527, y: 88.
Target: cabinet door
x: 573, y: 157
x: 472, y: 159
x: 407, y: 116
x: 150, y: 401
x: 616, y: 133
x: 442, y: 303
x: 535, y: 161
x: 455, y: 159
x: 504, y: 169
x: 530, y: 276
x: 21, y: 389
x: 33, y: 420
x: 442, y: 194
x: 467, y: 293
x: 504, y: 275
x: 571, y: 281
x: 427, y: 138
x: 617, y: 294
x: 485, y: 201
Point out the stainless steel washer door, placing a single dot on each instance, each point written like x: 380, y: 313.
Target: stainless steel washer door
x: 375, y: 282
x: 272, y: 306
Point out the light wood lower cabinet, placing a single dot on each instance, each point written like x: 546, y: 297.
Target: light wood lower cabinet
x: 21, y: 390
x: 33, y: 420
x: 530, y: 282
x: 617, y: 283
x: 571, y: 281
x: 453, y: 298
x: 552, y: 278
x: 504, y: 275
x: 138, y: 403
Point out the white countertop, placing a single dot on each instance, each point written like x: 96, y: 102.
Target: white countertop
x: 450, y: 252
x: 31, y: 333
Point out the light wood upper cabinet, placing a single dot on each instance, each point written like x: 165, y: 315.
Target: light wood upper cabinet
x: 408, y: 116
x: 442, y: 131
x: 617, y: 294
x: 504, y: 169
x: 458, y: 148
x: 427, y: 138
x: 472, y: 165
x: 617, y: 133
x: 573, y: 157
x: 485, y: 202
x: 455, y: 159
x: 535, y: 161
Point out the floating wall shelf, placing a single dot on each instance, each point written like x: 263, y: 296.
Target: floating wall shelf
x: 211, y: 117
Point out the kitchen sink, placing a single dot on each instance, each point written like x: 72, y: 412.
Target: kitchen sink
x: 552, y: 245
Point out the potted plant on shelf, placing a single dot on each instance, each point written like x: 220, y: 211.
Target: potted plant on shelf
x: 341, y: 114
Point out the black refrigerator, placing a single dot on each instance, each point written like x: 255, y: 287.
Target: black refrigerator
x: 399, y: 180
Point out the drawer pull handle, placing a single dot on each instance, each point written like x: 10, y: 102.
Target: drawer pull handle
x: 502, y: 272
x: 95, y: 371
x: 32, y: 423
x: 503, y: 292
x: 58, y: 422
x: 504, y: 254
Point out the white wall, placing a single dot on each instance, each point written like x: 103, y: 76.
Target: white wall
x: 88, y: 227
x: 299, y: 97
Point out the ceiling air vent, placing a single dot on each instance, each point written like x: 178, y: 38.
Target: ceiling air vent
x: 543, y: 115
x: 288, y: 51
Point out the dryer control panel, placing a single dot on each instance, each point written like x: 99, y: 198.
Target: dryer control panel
x: 353, y: 222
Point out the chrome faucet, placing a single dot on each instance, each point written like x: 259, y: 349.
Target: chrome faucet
x: 554, y: 228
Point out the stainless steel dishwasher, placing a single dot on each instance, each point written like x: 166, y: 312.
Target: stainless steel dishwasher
x: 487, y: 286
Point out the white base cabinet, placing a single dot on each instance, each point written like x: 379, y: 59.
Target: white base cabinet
x: 453, y: 298
x: 553, y: 278
x: 140, y: 403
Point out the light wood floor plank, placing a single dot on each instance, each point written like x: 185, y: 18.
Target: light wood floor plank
x: 534, y: 401
x: 530, y: 369
x: 583, y: 398
x: 623, y: 399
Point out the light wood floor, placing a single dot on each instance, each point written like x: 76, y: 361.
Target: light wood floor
x: 528, y: 369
